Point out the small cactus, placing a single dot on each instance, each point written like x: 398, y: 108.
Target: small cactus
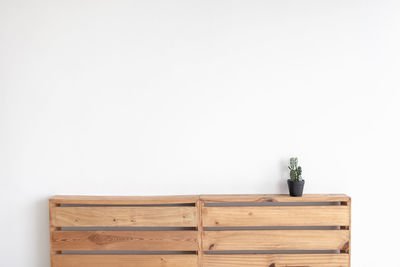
x: 295, y: 171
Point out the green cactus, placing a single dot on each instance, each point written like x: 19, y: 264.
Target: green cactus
x: 295, y: 171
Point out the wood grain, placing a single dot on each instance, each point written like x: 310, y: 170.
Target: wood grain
x: 277, y: 260
x: 349, y: 247
x: 275, y: 240
x: 125, y: 261
x: 180, y: 199
x: 124, y: 200
x: 199, y: 206
x: 125, y: 240
x: 276, y: 216
x: 52, y: 228
x: 260, y: 198
x: 124, y: 216
x: 168, y: 211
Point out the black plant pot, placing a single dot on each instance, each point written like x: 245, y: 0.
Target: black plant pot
x: 295, y: 188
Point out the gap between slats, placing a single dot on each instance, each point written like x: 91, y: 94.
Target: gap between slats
x: 225, y: 252
x: 110, y: 228
x: 128, y: 205
x: 235, y: 252
x: 126, y: 252
x: 269, y: 204
x: 239, y: 228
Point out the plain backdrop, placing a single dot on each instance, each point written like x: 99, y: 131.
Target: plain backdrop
x: 193, y: 97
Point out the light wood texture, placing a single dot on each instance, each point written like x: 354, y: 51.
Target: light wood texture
x: 274, y: 198
x: 124, y: 200
x: 125, y: 261
x: 277, y: 260
x: 276, y: 216
x: 168, y: 211
x: 52, y: 228
x: 199, y: 206
x: 275, y: 240
x: 348, y: 251
x: 126, y: 240
x: 148, y: 200
x: 124, y: 216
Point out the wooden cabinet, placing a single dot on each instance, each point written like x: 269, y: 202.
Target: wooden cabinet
x: 206, y: 230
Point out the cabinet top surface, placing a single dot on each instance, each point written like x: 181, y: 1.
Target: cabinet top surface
x: 168, y: 199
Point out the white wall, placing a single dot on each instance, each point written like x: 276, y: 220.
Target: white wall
x: 188, y: 97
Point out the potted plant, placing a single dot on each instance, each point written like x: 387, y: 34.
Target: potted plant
x: 296, y: 182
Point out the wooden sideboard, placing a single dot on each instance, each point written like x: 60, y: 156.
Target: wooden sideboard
x: 205, y: 230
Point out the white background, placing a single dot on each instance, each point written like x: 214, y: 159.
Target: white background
x: 188, y: 97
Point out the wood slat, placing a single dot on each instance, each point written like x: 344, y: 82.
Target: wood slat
x: 275, y: 240
x: 125, y: 240
x: 274, y: 198
x: 199, y: 206
x: 348, y: 250
x: 148, y: 200
x: 277, y: 260
x: 276, y: 216
x: 124, y: 200
x: 61, y: 260
x: 52, y: 229
x: 124, y: 216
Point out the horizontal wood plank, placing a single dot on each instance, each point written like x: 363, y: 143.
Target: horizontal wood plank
x: 180, y: 199
x: 124, y: 200
x: 125, y: 240
x: 277, y: 260
x: 61, y: 260
x: 274, y: 198
x: 276, y: 240
x: 276, y: 216
x: 124, y: 216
